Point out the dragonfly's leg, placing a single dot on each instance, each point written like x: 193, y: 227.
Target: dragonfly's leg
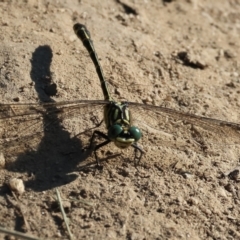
x: 99, y: 145
x: 137, y: 149
x: 101, y: 134
x: 96, y: 122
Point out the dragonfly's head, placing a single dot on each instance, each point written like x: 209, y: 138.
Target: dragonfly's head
x: 123, y: 137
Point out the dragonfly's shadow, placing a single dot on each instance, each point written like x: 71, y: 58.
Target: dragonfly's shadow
x: 41, y: 74
x: 57, y: 155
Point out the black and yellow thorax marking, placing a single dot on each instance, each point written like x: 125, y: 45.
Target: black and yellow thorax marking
x: 117, y: 113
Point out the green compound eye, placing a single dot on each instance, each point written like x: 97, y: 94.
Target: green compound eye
x: 114, y: 131
x: 135, y: 132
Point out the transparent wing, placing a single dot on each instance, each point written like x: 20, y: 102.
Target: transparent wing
x: 22, y: 126
x: 174, y: 124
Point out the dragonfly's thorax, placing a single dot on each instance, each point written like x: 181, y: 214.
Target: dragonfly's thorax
x: 118, y: 121
x: 117, y: 113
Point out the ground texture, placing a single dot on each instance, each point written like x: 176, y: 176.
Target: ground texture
x: 182, y: 55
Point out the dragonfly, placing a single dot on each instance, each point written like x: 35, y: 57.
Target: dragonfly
x: 126, y: 123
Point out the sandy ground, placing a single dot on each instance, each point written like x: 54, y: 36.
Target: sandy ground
x: 182, y: 55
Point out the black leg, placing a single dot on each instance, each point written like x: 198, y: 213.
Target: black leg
x: 137, y: 159
x: 97, y: 123
x: 101, y: 134
x: 99, y: 145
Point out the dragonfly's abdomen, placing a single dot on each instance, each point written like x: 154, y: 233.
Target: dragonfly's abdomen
x: 84, y: 35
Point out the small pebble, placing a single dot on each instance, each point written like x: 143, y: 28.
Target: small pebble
x: 229, y: 188
x: 234, y: 174
x: 118, y: 91
x: 207, y: 211
x: 16, y: 99
x: 148, y: 100
x: 16, y: 185
x: 229, y: 54
x: 193, y: 201
x: 67, y: 204
x: 59, y: 52
x: 187, y: 175
x: 62, y: 10
x: 52, y: 30
x: 235, y: 74
x: 87, y: 225
x: 222, y: 192
x: 2, y: 160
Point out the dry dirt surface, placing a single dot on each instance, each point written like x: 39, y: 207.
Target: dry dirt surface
x: 182, y: 55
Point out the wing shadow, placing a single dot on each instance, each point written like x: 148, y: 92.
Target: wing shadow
x: 57, y: 155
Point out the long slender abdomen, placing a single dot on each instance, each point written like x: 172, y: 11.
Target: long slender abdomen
x: 84, y: 35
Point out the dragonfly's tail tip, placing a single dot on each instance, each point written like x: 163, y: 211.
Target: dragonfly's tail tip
x: 78, y: 26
